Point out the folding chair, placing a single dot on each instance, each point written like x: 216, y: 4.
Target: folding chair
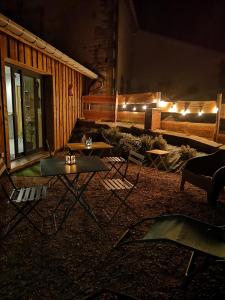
x: 116, y: 163
x: 114, y: 185
x: 191, y: 233
x: 24, y: 201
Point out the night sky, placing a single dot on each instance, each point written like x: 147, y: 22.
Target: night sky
x: 199, y: 22
x: 175, y: 58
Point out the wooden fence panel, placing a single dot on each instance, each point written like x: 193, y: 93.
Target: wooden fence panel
x: 99, y: 107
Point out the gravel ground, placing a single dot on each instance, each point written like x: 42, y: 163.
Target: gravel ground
x: 79, y: 260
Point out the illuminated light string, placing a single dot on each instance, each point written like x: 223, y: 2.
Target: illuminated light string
x: 215, y: 109
x: 185, y: 111
x: 172, y: 108
x: 144, y: 107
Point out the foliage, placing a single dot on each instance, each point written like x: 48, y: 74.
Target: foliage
x: 128, y: 143
x: 159, y: 142
x: 125, y: 142
x: 145, y: 143
x: 113, y: 135
x: 187, y: 152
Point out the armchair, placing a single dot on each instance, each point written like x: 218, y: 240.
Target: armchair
x: 206, y: 172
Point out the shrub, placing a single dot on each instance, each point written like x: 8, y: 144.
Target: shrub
x: 113, y: 135
x: 187, y: 152
x: 128, y: 143
x: 145, y: 143
x: 159, y: 142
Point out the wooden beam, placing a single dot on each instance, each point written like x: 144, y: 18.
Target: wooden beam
x: 25, y: 66
x: 3, y: 51
x: 219, y: 104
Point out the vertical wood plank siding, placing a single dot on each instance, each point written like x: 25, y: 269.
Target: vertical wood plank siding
x: 4, y: 147
x: 66, y: 109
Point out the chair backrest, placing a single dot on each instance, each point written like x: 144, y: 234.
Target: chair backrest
x: 207, y: 164
x: 137, y: 159
x: 5, y: 179
x: 2, y: 167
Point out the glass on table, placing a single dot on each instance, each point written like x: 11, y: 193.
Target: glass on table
x: 88, y: 142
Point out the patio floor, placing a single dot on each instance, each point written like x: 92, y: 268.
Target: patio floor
x: 79, y: 259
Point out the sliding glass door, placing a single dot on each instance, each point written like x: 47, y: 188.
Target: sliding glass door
x: 24, y: 105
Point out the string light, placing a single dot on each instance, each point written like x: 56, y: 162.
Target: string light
x: 162, y: 103
x: 215, y: 109
x: 134, y: 108
x: 173, y: 108
x: 184, y: 112
x: 144, y: 106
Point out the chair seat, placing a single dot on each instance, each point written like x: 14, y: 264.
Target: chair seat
x: 116, y: 184
x: 189, y: 232
x: 34, y: 193
x: 114, y: 159
x: 182, y: 230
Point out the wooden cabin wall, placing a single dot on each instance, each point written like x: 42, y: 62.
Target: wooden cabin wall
x: 66, y: 109
x: 1, y: 123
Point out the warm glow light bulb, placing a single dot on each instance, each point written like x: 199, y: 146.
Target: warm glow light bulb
x: 144, y: 106
x: 124, y: 105
x: 162, y: 103
x: 215, y: 109
x: 134, y: 108
x: 184, y: 112
x: 173, y: 108
x: 200, y: 113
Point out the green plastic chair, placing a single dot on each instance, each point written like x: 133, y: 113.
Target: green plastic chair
x: 185, y: 231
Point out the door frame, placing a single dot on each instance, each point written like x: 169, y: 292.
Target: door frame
x: 34, y: 76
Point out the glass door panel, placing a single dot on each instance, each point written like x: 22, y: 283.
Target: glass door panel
x: 10, y: 109
x: 29, y: 113
x: 19, y: 114
x: 24, y: 106
x: 39, y: 114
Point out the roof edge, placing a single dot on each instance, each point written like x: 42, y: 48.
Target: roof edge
x: 13, y: 29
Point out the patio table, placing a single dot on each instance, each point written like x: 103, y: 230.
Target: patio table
x: 82, y: 148
x: 84, y: 164
x: 157, y: 158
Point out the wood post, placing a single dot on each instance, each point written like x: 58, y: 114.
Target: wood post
x: 116, y: 106
x: 158, y: 98
x: 219, y: 104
